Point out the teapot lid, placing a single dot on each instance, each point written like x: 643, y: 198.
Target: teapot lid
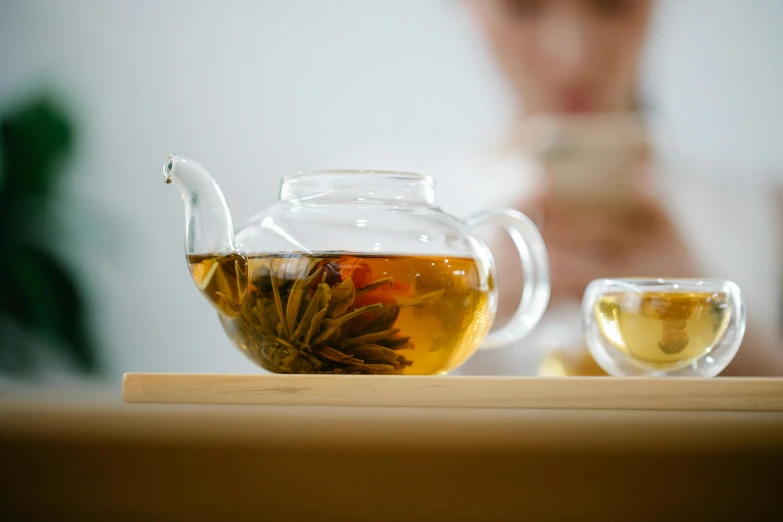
x: 372, y: 186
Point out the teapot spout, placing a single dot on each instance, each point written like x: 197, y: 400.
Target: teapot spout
x: 208, y: 227
x: 218, y: 267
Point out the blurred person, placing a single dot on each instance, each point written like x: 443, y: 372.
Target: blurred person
x: 581, y: 58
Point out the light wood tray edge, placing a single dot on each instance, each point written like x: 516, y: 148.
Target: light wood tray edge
x: 612, y: 393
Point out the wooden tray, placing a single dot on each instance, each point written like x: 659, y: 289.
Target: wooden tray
x: 608, y: 393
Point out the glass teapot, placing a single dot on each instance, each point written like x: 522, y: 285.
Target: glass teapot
x: 354, y: 272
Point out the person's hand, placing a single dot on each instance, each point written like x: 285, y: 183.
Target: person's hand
x: 587, y: 242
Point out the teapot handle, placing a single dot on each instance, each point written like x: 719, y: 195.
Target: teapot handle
x: 535, y: 264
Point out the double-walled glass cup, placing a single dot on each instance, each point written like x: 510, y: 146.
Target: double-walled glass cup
x: 658, y: 327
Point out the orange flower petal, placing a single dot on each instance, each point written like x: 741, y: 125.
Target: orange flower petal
x: 355, y: 268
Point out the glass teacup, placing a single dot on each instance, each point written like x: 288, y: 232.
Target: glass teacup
x: 657, y: 327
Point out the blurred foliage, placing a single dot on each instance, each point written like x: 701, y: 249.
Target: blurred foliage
x: 41, y: 304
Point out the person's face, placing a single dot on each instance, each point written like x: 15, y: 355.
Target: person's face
x: 568, y: 56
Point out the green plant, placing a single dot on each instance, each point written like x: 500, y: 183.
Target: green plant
x: 39, y: 298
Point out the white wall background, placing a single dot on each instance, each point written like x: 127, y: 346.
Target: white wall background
x: 257, y: 89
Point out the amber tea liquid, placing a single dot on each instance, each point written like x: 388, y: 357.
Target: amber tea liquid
x: 350, y: 313
x: 663, y: 330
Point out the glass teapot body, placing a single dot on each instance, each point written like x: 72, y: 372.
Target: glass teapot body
x: 356, y: 272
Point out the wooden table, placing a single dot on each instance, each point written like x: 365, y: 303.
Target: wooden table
x: 110, y: 461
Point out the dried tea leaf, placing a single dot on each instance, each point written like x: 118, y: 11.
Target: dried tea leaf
x: 285, y: 343
x: 208, y: 278
x: 357, y: 368
x: 283, y: 326
x: 342, y: 298
x: 266, y: 314
x: 371, y: 337
x: 374, y: 353
x: 358, y: 312
x: 290, y: 359
x: 328, y: 328
x: 396, y: 343
x: 314, y: 278
x: 315, y: 325
x: 423, y: 300
x: 241, y: 280
x: 248, y: 311
x: 319, y: 302
x: 294, y: 302
x: 384, y: 320
x: 302, y: 366
x: 331, y: 354
x: 323, y: 296
x: 311, y: 359
x: 402, y: 362
x: 380, y: 368
x: 389, y: 281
